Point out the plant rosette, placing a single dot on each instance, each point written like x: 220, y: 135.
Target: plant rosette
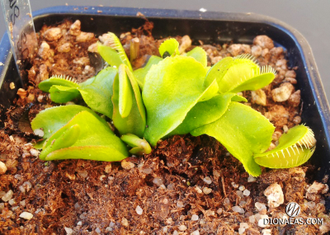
x: 174, y: 94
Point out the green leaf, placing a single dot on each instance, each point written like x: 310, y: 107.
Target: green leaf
x: 206, y: 112
x: 135, y: 120
x: 57, y: 80
x: 84, y: 137
x: 139, y: 146
x: 52, y: 119
x: 97, y: 91
x: 240, y: 73
x: 137, y: 96
x: 255, y: 83
x: 170, y: 46
x: 114, y: 54
x: 125, y: 93
x: 62, y: 139
x: 141, y: 73
x: 199, y: 54
x: 62, y: 94
x: 110, y: 55
x: 294, y: 149
x: 172, y: 88
x: 243, y: 131
x: 218, y: 70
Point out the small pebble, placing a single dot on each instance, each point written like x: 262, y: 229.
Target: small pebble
x: 226, y: 201
x: 2, y: 205
x: 3, y: 168
x: 198, y: 189
x: 69, y: 231
x: 297, y: 120
x: 175, y: 232
x: 283, y: 92
x: 12, y: 86
x: 251, y: 179
x: 242, y: 203
x: 34, y: 152
x: 246, y: 192
x: 274, y: 195
x: 219, y: 211
x: 196, y: 232
x: 207, y: 180
x: 238, y: 209
x: 260, y: 206
x: 241, y: 188
x: 7, y: 196
x: 207, y: 190
x: 157, y: 181
x: 40, y: 98
x: 39, y: 132
x: 108, y: 168
x: 209, y: 213
x: 26, y: 215
x: 108, y: 229
x: 266, y: 231
x: 239, y: 193
x: 124, y: 222
x: 98, y: 230
x: 53, y: 34
x: 252, y: 219
x: 127, y: 165
x: 83, y: 216
x: 12, y: 202
x: 77, y: 206
x: 14, y: 208
x: 40, y: 210
x: 180, y: 204
x: 139, y: 210
x: 242, y: 228
x: 285, y: 128
x: 194, y: 217
x: 79, y: 223
x: 234, y: 185
x: 83, y: 174
x: 182, y: 227
x: 18, y: 176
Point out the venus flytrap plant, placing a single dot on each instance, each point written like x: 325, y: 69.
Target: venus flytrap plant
x: 172, y: 94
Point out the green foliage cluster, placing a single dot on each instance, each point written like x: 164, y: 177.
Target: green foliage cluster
x: 171, y: 95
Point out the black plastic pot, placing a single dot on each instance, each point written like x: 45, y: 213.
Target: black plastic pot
x: 209, y: 27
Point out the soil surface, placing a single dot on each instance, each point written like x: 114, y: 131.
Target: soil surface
x: 187, y: 185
